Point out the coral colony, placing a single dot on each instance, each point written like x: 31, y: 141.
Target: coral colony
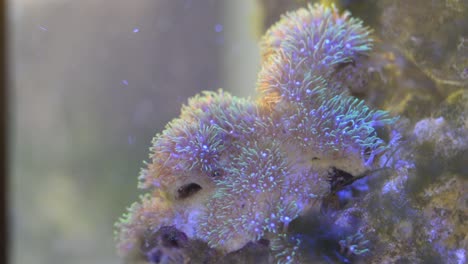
x: 231, y: 170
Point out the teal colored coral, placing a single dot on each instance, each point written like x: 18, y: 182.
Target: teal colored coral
x: 229, y: 170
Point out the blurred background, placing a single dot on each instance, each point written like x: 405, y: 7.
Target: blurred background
x: 92, y: 82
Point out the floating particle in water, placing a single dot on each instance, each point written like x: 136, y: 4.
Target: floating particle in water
x: 218, y: 28
x: 124, y: 82
x: 42, y: 28
x: 136, y: 30
x: 131, y: 140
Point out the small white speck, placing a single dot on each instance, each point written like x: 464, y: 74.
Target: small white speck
x: 218, y: 28
x: 136, y: 30
x: 125, y: 82
x: 42, y: 28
